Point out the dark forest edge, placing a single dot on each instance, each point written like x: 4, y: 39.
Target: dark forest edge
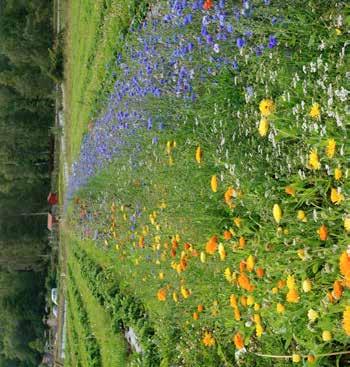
x: 30, y: 64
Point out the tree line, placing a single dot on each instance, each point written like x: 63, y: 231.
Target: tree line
x: 26, y: 115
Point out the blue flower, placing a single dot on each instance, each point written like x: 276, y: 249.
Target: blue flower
x: 272, y: 41
x: 241, y: 42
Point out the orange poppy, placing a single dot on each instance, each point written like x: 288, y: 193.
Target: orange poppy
x: 244, y: 282
x: 208, y: 4
x: 323, y: 233
x: 212, y: 245
x: 238, y: 341
x: 161, y: 294
x: 227, y: 235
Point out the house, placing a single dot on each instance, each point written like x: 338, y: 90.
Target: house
x: 52, y: 199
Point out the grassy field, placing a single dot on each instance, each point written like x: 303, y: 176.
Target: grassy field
x: 210, y: 209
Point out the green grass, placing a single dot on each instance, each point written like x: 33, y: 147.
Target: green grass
x: 113, y: 345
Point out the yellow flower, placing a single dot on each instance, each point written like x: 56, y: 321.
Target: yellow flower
x: 312, y: 315
x: 346, y: 320
x: 263, y: 127
x: 330, y: 149
x: 228, y: 275
x: 277, y: 213
x: 338, y: 31
x: 296, y: 358
x: 301, y: 216
x: 336, y: 196
x: 222, y: 252
x: 274, y: 290
x: 259, y: 330
x: 291, y: 282
x: 301, y: 253
x: 315, y: 111
x: 175, y: 298
x: 347, y: 223
x: 199, y: 154
x: 250, y: 300
x: 208, y: 339
x: 250, y: 263
x: 314, y: 161
x: 214, y: 183
x: 202, y: 257
x: 338, y: 174
x: 326, y: 335
x: 280, y: 308
x: 237, y: 221
x: 256, y: 307
x: 185, y: 292
x: 307, y: 285
x: 266, y: 107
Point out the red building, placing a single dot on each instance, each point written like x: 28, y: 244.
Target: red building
x: 52, y: 199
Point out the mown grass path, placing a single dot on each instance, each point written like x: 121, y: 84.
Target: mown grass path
x: 112, y: 345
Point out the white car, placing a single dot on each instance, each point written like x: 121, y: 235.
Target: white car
x: 55, y: 311
x: 54, y: 296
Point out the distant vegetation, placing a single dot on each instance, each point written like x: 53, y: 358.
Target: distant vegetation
x: 26, y: 113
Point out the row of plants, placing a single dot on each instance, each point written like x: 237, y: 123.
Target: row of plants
x: 72, y: 357
x: 92, y: 349
x: 125, y: 310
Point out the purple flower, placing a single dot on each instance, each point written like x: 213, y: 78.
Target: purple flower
x: 240, y: 42
x: 229, y: 28
x: 209, y: 39
x: 272, y: 41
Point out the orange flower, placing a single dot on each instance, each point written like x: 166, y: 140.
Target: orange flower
x: 199, y: 154
x: 337, y: 289
x: 323, y: 233
x: 346, y: 320
x: 227, y: 235
x: 241, y: 242
x: 212, y: 245
x: 161, y: 294
x: 237, y: 314
x: 208, y: 4
x: 208, y: 339
x: 233, y: 301
x: 230, y: 192
x: 242, y: 266
x: 141, y: 242
x: 260, y: 272
x: 244, y: 282
x: 238, y: 341
x: 200, y: 308
x: 344, y: 265
x: 293, y: 296
x: 187, y: 246
x: 195, y: 316
x: 290, y: 190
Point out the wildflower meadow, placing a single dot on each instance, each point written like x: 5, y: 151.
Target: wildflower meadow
x: 207, y: 205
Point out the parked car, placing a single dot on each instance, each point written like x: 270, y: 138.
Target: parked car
x: 54, y: 296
